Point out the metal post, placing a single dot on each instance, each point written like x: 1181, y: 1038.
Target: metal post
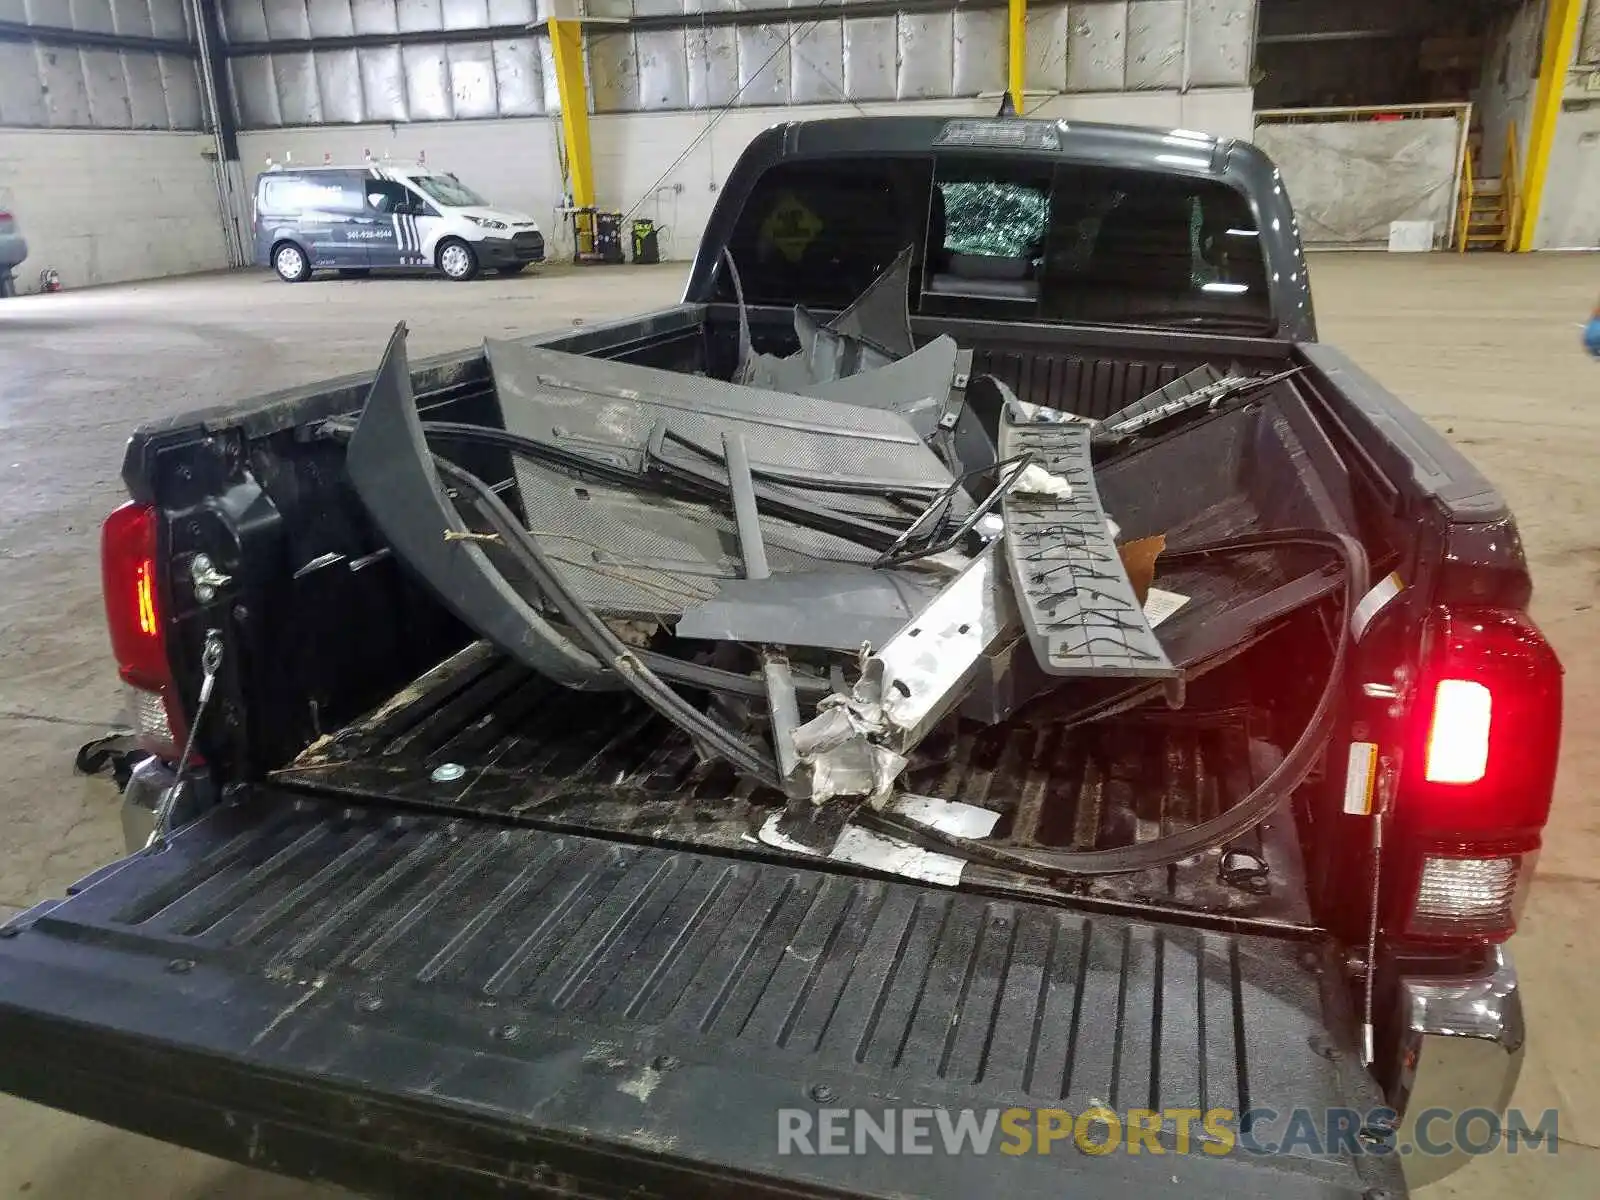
x: 217, y: 103
x: 1017, y: 75
x: 566, y: 44
x: 1560, y: 43
x: 783, y: 707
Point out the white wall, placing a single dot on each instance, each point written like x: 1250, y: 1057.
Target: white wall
x: 103, y: 207
x: 1569, y: 215
x: 1510, y: 77
x: 514, y: 162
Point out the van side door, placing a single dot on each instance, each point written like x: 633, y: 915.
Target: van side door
x: 332, y: 205
x: 384, y: 230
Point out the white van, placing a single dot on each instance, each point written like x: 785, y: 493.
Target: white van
x: 380, y: 215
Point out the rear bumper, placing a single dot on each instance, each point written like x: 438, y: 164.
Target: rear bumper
x: 1461, y: 1046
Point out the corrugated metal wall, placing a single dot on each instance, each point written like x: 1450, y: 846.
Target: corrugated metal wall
x: 48, y: 84
x: 315, y: 62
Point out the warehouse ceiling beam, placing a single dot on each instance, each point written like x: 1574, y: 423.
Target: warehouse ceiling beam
x: 1560, y: 45
x: 1016, y: 75
x: 82, y: 39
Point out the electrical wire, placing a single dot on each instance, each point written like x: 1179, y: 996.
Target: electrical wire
x: 599, y: 638
x: 1241, y: 817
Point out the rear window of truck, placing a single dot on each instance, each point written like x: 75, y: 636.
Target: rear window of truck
x: 1008, y: 239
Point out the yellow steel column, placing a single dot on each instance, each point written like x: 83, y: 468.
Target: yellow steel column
x: 1560, y: 39
x: 566, y: 44
x: 1019, y: 51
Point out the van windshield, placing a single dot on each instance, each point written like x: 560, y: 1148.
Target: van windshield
x: 449, y: 191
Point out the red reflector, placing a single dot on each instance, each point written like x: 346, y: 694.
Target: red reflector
x: 145, y: 598
x: 133, y: 610
x: 1458, y: 738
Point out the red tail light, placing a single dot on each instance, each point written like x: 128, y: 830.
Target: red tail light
x: 1478, y: 775
x: 129, y: 580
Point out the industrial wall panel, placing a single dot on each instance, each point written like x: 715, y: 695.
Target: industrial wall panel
x: 374, y: 16
x: 93, y: 16
x: 383, y: 84
x: 255, y: 94
x: 1097, y: 46
x: 22, y: 99
x: 147, y: 94
x: 330, y: 18
x: 1589, y: 37
x: 339, y: 83
x: 763, y: 65
x: 613, y: 72
x: 870, y: 57
x: 926, y: 44
x: 518, y: 80
x: 981, y: 53
x: 1350, y: 180
x: 472, y: 85
x: 465, y: 14
x: 1048, y: 32
x: 170, y: 19
x: 503, y: 13
x: 299, y: 101
x: 663, y: 69
x: 55, y: 13
x: 1221, y: 42
x: 103, y: 207
x: 713, y: 55
x: 287, y: 19
x: 14, y: 10
x: 131, y: 18
x: 181, y: 77
x: 1155, y: 44
x: 419, y: 16
x: 659, y: 8
x: 244, y: 21
x: 427, y: 83
x: 66, y: 91
x: 547, y: 70
x: 107, y: 88
x: 816, y: 63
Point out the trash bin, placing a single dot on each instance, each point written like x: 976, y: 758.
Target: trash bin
x: 608, y: 237
x: 646, y: 242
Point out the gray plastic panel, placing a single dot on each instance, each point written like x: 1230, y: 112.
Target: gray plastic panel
x: 610, y: 410
x: 830, y: 610
x: 1077, y: 604
x: 1179, y: 389
x: 633, y: 554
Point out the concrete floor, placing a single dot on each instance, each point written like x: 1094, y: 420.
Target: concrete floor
x: 1485, y: 347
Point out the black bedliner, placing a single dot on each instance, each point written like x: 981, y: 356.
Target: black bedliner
x: 429, y: 1006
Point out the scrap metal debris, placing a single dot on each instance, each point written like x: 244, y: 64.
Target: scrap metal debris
x: 809, y: 568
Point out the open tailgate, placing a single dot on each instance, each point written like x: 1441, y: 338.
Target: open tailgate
x: 408, y: 1004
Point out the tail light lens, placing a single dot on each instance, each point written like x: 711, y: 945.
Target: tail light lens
x: 129, y: 581
x: 1478, y: 774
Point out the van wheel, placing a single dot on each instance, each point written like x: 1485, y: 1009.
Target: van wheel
x: 291, y: 263
x: 458, y: 260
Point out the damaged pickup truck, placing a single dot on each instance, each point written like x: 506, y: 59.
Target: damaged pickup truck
x: 979, y: 652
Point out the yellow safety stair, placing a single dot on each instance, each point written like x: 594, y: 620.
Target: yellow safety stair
x: 1491, y: 209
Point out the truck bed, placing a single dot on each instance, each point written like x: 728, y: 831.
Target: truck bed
x: 422, y: 1005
